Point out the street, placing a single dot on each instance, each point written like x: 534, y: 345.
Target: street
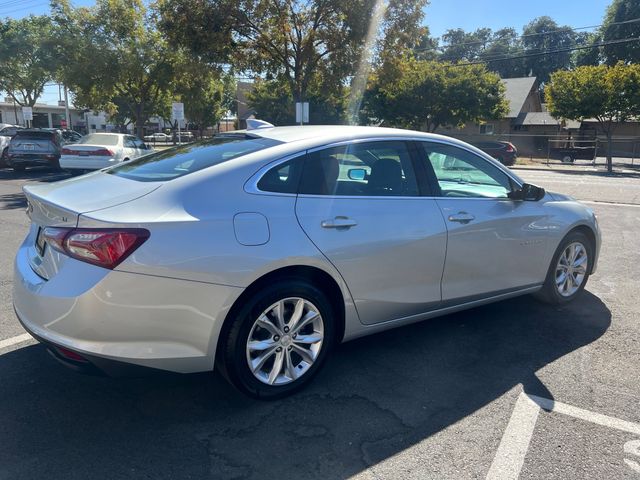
x: 516, y: 388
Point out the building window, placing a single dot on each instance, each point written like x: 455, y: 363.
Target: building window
x: 486, y: 129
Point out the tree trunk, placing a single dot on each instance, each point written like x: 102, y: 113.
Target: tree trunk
x: 609, y: 152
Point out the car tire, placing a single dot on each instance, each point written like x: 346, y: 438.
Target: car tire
x: 559, y: 289
x: 275, y: 348
x: 567, y: 159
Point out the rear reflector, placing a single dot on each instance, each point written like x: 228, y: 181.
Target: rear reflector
x: 102, y: 247
x: 510, y: 148
x: 71, y: 355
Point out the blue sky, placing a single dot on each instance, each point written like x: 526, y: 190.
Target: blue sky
x: 440, y: 15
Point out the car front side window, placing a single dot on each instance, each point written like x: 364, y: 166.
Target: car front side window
x: 360, y: 169
x: 460, y: 173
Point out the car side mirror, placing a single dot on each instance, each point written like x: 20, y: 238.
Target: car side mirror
x: 528, y: 193
x: 358, y: 174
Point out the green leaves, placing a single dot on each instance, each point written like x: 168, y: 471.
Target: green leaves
x: 28, y: 57
x: 611, y: 94
x: 427, y: 94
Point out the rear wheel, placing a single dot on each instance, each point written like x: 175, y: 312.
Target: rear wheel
x: 279, y: 340
x: 569, y: 270
x: 567, y: 159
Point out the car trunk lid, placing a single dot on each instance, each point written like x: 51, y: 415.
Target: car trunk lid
x: 60, y: 204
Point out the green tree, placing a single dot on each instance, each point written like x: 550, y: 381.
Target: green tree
x: 289, y: 41
x: 588, y: 56
x: 544, y: 35
x: 504, y: 43
x: 273, y: 101
x: 28, y: 57
x: 204, y: 92
x: 610, y: 94
x: 461, y: 46
x: 614, y: 28
x: 114, y: 59
x: 426, y: 95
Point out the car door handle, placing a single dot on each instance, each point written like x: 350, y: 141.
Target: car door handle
x: 339, y: 222
x: 461, y: 217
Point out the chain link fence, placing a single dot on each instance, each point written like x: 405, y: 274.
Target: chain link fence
x: 564, y: 149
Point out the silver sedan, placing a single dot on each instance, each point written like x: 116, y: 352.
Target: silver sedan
x: 257, y: 252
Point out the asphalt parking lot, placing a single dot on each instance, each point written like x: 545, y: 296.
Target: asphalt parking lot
x: 511, y: 389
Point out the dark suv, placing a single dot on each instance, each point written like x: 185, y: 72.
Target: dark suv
x: 34, y: 147
x: 504, y: 152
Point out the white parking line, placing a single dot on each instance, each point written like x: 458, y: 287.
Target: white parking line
x: 593, y: 417
x: 515, y: 442
x: 15, y: 340
x: 614, y: 204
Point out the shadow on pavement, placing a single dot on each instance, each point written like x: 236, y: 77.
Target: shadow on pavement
x: 36, y: 174
x: 376, y: 397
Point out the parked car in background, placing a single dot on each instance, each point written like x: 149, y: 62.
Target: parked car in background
x: 35, y: 147
x: 158, y: 137
x: 505, y: 152
x: 71, y: 136
x: 186, y: 136
x: 7, y: 131
x: 100, y: 150
x: 257, y: 252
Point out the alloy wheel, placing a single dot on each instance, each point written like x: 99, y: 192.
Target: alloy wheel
x: 285, y: 341
x: 571, y: 269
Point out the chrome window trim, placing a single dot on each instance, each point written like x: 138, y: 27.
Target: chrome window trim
x: 251, y: 185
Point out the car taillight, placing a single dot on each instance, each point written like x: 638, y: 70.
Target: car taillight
x: 102, y: 247
x: 103, y: 152
x: 510, y: 148
x: 68, y: 151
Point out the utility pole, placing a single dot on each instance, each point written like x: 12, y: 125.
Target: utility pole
x: 67, y: 117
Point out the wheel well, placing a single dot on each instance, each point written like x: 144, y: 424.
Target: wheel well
x: 588, y: 233
x: 317, y: 277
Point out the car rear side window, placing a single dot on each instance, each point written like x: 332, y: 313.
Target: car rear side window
x: 282, y: 178
x: 182, y: 160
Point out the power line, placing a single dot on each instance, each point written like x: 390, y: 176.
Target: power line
x: 23, y: 8
x: 549, y: 32
x: 548, y: 52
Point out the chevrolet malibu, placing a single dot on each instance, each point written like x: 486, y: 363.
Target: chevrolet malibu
x: 256, y: 252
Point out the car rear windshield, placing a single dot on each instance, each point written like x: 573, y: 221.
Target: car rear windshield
x: 176, y: 162
x: 97, y: 139
x: 35, y: 135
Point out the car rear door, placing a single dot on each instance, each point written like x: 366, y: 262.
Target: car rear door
x: 494, y: 243
x: 359, y: 203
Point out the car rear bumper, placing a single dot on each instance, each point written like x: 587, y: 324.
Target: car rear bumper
x: 70, y: 162
x: 32, y: 159
x: 113, y: 316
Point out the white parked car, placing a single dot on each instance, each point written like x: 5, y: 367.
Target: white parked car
x: 158, y: 137
x: 100, y: 150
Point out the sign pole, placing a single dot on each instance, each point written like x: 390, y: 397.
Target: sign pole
x: 67, y: 117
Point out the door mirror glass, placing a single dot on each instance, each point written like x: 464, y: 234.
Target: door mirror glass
x: 528, y: 193
x: 358, y: 174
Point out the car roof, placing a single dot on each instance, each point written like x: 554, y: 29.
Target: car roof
x: 330, y: 132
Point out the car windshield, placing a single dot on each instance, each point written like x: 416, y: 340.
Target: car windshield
x: 99, y: 139
x: 43, y: 135
x: 182, y: 160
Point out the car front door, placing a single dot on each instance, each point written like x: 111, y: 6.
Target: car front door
x: 359, y: 203
x: 494, y: 243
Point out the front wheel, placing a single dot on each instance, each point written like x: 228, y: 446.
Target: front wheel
x: 279, y: 340
x: 569, y: 270
x: 567, y: 159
